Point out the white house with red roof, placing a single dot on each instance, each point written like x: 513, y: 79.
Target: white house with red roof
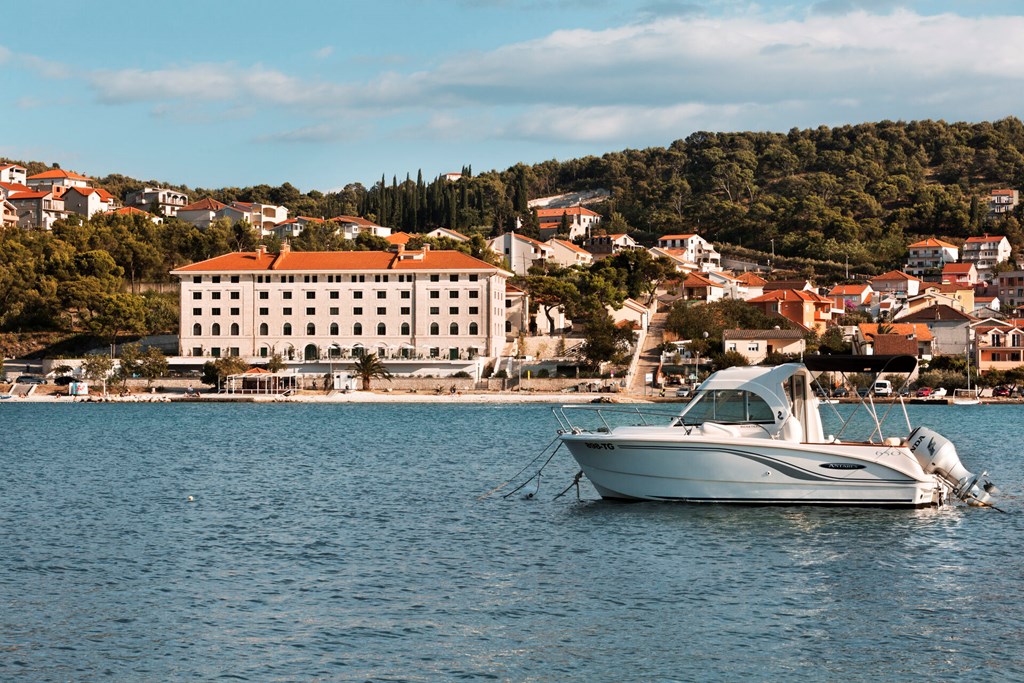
x: 809, y: 310
x: 167, y: 202
x: 440, y: 233
x: 897, y: 283
x: 293, y: 227
x: 697, y: 249
x: 602, y: 246
x: 852, y: 297
x: 132, y: 211
x: 960, y: 274
x: 89, y: 201
x: 580, y: 220
x: 520, y: 251
x: 7, y: 189
x: 262, y: 217
x: 632, y: 313
x: 57, y: 181
x: 1010, y: 285
x: 8, y: 214
x: 677, y: 257
x: 567, y: 254
x: 201, y: 213
x: 1002, y: 201
x: 998, y: 344
x: 699, y: 286
x: 927, y: 257
x: 350, y: 227
x: 985, y: 252
x: 407, y: 307
x: 13, y: 173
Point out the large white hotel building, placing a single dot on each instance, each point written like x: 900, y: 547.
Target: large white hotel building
x: 426, y: 306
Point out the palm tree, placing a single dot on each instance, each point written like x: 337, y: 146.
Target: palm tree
x: 368, y: 368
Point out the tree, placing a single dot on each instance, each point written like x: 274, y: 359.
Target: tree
x: 605, y: 342
x: 275, y: 363
x: 369, y: 367
x: 97, y: 367
x: 550, y: 293
x: 152, y: 365
x: 216, y: 371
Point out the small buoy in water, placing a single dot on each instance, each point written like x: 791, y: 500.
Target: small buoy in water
x: 530, y: 492
x: 191, y: 499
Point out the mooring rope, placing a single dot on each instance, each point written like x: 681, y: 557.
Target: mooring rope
x: 517, y: 474
x: 536, y: 476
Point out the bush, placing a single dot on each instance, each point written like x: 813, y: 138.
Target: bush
x: 501, y: 374
x: 543, y: 373
x: 462, y: 374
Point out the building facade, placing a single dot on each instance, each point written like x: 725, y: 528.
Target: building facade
x: 927, y: 258
x: 317, y: 306
x: 166, y: 202
x: 985, y: 252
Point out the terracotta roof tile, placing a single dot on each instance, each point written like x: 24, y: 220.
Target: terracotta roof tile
x: 57, y: 174
x: 310, y: 261
x: 208, y: 204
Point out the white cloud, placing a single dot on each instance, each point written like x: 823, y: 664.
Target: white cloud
x: 324, y: 52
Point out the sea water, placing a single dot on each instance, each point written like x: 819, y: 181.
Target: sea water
x: 355, y: 542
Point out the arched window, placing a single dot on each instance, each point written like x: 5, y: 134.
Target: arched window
x: 197, y: 330
x: 435, y: 329
x: 382, y: 329
x: 215, y: 330
x: 234, y: 329
x: 508, y: 327
x: 334, y: 329
x: 264, y: 329
x: 310, y: 329
x: 453, y: 329
x: 474, y: 329
x: 405, y: 328
x: 287, y: 331
x: 357, y: 329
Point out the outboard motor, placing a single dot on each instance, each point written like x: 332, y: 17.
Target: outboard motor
x: 937, y: 455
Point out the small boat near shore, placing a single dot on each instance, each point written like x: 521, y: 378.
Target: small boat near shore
x: 754, y: 435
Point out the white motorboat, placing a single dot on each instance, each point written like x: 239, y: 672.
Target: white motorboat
x: 755, y: 435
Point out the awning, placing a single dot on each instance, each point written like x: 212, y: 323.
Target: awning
x: 876, y: 364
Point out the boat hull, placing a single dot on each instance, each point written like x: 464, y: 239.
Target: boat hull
x: 753, y: 471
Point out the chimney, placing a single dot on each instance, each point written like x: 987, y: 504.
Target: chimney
x: 426, y: 248
x: 285, y: 248
x: 261, y: 251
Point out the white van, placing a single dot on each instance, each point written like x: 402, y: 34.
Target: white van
x: 883, y: 387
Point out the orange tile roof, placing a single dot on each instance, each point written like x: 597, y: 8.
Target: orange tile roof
x: 791, y: 295
x: 130, y: 211
x: 751, y: 279
x: 319, y: 261
x: 86, y: 191
x: 919, y: 330
x: 398, y: 238
x: 32, y: 194
x: 57, y: 173
x: 676, y: 237
x: 208, y: 204
x: 961, y: 268
x: 571, y: 246
x: 698, y: 280
x: 848, y: 290
x: 1004, y: 192
x: 15, y: 187
x: 572, y: 211
x: 895, y: 275
x: 984, y: 240
x: 932, y: 242
x: 354, y: 220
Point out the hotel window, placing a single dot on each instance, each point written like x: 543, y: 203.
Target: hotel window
x: 453, y: 329
x: 197, y: 311
x: 310, y: 311
x: 382, y: 310
x: 404, y: 310
x: 215, y: 295
x: 234, y: 279
x: 264, y: 295
x: 334, y: 328
x: 357, y: 330
x: 197, y: 295
x: 235, y: 295
x: 454, y: 294
x: 334, y: 295
x: 474, y: 328
x: 358, y: 310
x: 215, y: 279
x: 382, y: 295
x: 406, y: 294
x: 381, y: 329
x: 215, y: 330
x: 357, y: 295
x: 236, y: 311
x: 435, y: 294
x: 435, y: 329
x: 380, y: 278
x: 214, y: 311
x: 310, y: 295
x: 310, y: 329
x: 264, y: 329
x: 435, y: 310
x: 473, y: 294
x: 215, y: 352
x: 453, y: 278
x: 264, y: 311
x: 286, y: 295
x: 197, y: 330
x: 197, y: 350
x: 435, y: 278
x: 287, y: 330
x: 405, y: 328
x: 334, y: 310
x: 197, y: 279
x: 286, y: 311
x: 234, y: 329
x: 474, y: 278
x: 474, y: 310
x: 453, y: 310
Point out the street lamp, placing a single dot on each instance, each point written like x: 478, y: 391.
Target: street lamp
x: 696, y: 374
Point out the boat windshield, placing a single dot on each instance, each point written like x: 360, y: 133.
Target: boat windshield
x: 729, y: 406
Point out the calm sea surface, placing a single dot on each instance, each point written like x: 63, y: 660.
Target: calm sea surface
x: 349, y: 543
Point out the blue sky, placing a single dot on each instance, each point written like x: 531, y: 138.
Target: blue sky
x: 321, y: 94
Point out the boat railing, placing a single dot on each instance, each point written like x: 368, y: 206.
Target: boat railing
x: 645, y: 415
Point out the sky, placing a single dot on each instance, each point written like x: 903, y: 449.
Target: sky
x: 322, y: 94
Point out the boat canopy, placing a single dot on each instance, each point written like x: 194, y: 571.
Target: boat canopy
x: 877, y: 364
x: 767, y: 382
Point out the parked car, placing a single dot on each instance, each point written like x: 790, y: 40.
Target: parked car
x: 840, y: 392
x: 1001, y: 391
x: 683, y: 392
x: 863, y: 392
x: 29, y: 379
x: 939, y: 393
x: 924, y: 392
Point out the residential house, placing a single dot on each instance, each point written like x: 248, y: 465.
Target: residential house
x: 440, y: 233
x: 517, y: 312
x: 567, y: 254
x: 262, y: 217
x: 949, y: 328
x: 165, y: 202
x: 322, y: 306
x: 897, y: 283
x: 89, y: 201
x: 291, y: 228
x: 520, y: 251
x: 697, y: 250
x: 752, y: 285
x: 756, y: 345
x: 998, y: 344
x: 13, y: 173
x: 8, y: 214
x: 677, y: 257
x: 1010, y: 285
x: 132, y: 211
x: 57, y: 181
x: 885, y: 339
x: 927, y: 258
x: 399, y: 238
x: 1002, y: 202
x: 856, y: 297
x: 606, y: 245
x: 698, y: 286
x: 809, y: 310
x: 578, y: 219
x: 452, y: 177
x: 37, y: 209
x: 986, y: 306
x: 7, y: 189
x: 799, y: 285
x: 985, y: 253
x: 201, y: 213
x: 350, y: 227
x: 632, y: 313
x: 960, y: 274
